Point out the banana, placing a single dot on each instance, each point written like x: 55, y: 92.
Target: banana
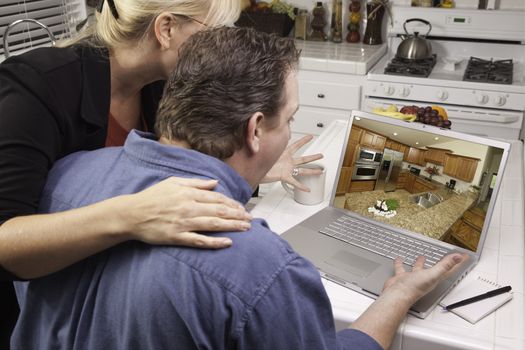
x: 397, y: 115
x: 392, y: 108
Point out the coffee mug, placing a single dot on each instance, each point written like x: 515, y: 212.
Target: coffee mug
x: 314, y: 182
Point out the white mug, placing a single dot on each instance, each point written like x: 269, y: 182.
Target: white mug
x: 314, y: 182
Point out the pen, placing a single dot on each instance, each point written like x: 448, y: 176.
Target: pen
x: 489, y: 294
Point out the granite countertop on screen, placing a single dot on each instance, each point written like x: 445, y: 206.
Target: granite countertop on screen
x: 344, y: 57
x: 432, y: 222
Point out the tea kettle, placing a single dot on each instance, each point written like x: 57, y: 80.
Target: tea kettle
x: 414, y: 47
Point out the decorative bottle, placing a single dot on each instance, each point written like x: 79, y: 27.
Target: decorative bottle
x: 337, y: 21
x: 318, y: 23
x: 301, y: 22
x: 354, y: 18
x: 375, y: 11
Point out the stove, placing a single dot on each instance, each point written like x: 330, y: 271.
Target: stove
x: 478, y: 75
x: 489, y: 71
x: 415, y: 68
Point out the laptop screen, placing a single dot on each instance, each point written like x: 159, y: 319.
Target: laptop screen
x: 426, y: 180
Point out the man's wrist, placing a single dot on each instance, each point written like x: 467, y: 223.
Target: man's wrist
x: 404, y: 299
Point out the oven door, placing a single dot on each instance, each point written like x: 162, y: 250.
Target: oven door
x: 487, y: 122
x: 365, y: 171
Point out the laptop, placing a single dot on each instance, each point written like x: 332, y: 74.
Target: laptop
x: 403, y: 212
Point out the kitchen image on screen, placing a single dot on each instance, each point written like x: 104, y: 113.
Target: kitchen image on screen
x: 430, y: 184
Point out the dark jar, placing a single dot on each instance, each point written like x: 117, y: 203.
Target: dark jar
x: 375, y: 12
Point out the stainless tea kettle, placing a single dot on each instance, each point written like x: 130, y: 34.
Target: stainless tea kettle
x: 414, y: 47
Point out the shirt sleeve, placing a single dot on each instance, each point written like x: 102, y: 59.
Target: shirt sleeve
x: 29, y: 138
x: 295, y: 313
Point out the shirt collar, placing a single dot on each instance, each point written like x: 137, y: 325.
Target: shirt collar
x: 146, y: 148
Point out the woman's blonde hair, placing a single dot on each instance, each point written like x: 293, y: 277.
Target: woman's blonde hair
x: 136, y: 16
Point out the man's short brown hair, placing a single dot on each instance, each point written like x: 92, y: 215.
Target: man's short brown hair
x: 223, y: 77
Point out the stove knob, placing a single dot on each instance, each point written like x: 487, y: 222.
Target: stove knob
x: 500, y: 100
x: 389, y: 90
x: 442, y: 95
x: 405, y: 91
x: 482, y: 99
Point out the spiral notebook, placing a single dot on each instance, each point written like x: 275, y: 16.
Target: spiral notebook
x: 478, y: 310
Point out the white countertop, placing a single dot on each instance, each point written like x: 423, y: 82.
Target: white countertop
x: 344, y: 57
x: 502, y: 261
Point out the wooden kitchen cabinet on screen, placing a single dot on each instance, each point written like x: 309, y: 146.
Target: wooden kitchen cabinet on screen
x: 421, y: 185
x: 396, y: 146
x: 351, y: 147
x: 436, y: 155
x: 344, y: 180
x: 372, y: 140
x: 348, y: 162
x: 401, y: 180
x: 460, y: 167
x: 415, y: 156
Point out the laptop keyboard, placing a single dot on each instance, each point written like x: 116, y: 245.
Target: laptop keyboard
x: 383, y: 242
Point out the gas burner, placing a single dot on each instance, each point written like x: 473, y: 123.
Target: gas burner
x: 489, y: 71
x: 416, y: 68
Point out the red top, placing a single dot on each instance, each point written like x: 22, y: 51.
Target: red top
x: 117, y: 135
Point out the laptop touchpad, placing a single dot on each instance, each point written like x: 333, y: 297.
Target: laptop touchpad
x: 352, y: 263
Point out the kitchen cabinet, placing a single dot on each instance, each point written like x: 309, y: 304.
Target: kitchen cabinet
x: 401, y: 180
x: 451, y: 165
x: 325, y: 97
x: 414, y: 184
x: 353, y: 142
x: 348, y: 161
x: 345, y: 179
x: 466, y: 231
x: 460, y: 167
x: 373, y: 140
x: 436, y: 155
x: 475, y: 217
x: 409, y: 183
x: 396, y: 146
x: 313, y: 120
x: 421, y: 185
x: 361, y: 185
x: 415, y: 156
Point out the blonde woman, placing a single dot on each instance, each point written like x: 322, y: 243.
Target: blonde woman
x: 88, y: 94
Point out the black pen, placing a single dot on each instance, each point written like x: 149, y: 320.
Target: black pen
x: 489, y: 294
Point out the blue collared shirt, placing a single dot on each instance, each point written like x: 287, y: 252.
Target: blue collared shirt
x: 258, y: 294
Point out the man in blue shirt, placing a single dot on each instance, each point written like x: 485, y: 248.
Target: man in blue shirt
x: 225, y: 115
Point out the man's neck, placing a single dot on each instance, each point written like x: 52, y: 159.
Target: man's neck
x: 238, y: 161
x: 174, y: 142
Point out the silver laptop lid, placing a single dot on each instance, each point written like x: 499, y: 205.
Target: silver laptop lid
x: 436, y: 183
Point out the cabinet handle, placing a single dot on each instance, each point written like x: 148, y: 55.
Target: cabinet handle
x: 320, y: 95
x: 320, y: 125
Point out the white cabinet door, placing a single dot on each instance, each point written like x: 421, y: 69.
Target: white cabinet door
x: 329, y: 94
x: 312, y: 120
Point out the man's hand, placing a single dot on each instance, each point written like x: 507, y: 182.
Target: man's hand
x: 283, y: 168
x: 418, y: 282
x: 383, y: 317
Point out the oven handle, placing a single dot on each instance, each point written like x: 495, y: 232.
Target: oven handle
x: 499, y: 119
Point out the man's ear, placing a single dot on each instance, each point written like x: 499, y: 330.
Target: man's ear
x: 163, y: 27
x: 254, y: 132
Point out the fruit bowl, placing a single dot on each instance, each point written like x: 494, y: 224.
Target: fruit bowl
x: 431, y: 115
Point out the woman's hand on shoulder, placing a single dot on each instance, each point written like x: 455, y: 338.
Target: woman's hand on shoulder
x: 171, y: 212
